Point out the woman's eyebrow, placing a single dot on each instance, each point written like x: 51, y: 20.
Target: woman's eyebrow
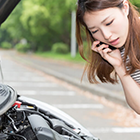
x: 101, y: 22
x: 91, y: 27
x: 105, y: 19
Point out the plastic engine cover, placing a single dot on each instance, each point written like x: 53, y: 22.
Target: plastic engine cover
x: 41, y: 129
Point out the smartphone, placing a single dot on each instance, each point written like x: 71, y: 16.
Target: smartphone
x: 111, y: 47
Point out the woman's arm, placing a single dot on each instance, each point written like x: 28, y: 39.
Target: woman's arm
x: 131, y: 89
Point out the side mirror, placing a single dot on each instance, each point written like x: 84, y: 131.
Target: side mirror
x: 6, y: 7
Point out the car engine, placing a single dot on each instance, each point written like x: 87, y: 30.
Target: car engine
x: 21, y: 120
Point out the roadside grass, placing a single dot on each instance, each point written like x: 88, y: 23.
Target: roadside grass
x: 65, y: 57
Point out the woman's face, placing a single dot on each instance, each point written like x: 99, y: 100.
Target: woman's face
x: 109, y: 25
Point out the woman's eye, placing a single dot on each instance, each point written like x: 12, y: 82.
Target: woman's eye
x: 109, y: 23
x: 93, y: 32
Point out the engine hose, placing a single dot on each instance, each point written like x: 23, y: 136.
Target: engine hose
x: 11, y: 134
x: 45, y: 117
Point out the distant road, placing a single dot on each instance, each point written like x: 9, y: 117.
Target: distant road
x: 103, y: 118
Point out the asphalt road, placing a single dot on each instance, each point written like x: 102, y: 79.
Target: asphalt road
x: 103, y: 118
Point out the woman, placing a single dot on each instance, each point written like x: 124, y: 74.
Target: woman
x: 115, y: 23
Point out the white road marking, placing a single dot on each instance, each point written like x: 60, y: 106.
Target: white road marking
x: 115, y: 130
x: 31, y: 84
x: 24, y: 79
x: 51, y: 93
x: 78, y: 106
x: 126, y: 130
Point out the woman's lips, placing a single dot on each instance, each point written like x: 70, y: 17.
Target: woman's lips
x: 114, y: 42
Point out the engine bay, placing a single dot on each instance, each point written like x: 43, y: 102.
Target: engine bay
x: 26, y: 121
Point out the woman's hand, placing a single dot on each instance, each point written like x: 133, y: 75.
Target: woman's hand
x: 112, y: 56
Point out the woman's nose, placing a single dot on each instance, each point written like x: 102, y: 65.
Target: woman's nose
x: 107, y: 34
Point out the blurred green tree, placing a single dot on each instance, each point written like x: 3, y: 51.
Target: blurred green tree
x: 136, y: 3
x: 42, y: 23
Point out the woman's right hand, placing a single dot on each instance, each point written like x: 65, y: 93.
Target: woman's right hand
x: 112, y: 56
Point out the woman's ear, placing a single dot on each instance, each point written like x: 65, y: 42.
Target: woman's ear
x: 126, y: 7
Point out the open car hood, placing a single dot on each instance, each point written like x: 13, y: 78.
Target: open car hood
x: 8, y: 97
x: 6, y: 7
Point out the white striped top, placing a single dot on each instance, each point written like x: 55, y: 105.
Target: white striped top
x: 136, y: 74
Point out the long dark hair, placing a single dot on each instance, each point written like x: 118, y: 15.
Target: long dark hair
x: 97, y: 66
